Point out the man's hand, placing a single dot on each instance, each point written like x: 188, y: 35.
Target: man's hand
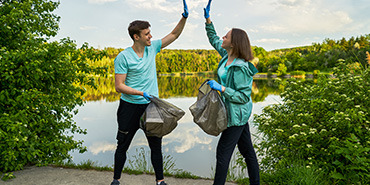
x: 147, y: 96
x: 186, y: 11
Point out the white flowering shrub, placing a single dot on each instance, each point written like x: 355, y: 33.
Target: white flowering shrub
x: 323, y: 123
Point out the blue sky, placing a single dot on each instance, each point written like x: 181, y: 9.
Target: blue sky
x: 271, y: 24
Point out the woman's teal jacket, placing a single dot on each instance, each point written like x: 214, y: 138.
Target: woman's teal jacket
x: 239, y: 80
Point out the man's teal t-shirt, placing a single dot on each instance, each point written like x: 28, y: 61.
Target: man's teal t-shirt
x: 141, y: 72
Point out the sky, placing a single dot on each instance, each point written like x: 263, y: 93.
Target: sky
x: 271, y: 24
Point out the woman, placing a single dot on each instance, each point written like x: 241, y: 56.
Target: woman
x: 235, y: 77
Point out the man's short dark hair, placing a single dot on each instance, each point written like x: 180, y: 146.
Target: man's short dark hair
x: 135, y: 27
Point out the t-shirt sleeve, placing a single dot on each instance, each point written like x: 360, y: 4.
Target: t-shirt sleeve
x: 157, y: 44
x: 120, y: 64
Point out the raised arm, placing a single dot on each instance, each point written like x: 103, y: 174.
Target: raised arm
x: 168, y: 39
x: 206, y: 12
x: 214, y: 40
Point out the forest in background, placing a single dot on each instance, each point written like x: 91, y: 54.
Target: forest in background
x: 316, y: 57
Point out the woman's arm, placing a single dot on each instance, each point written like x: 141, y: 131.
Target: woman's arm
x: 211, y: 33
x: 242, y: 86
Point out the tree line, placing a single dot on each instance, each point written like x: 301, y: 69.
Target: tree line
x: 318, y: 56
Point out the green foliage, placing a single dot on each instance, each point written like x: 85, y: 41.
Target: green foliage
x: 184, y: 175
x: 295, y: 173
x: 7, y: 176
x: 322, y: 56
x: 38, y: 87
x: 281, y: 71
x: 139, y: 163
x: 298, y: 73
x: 318, y: 56
x: 169, y: 61
x: 324, y: 124
x: 84, y: 165
x: 316, y: 73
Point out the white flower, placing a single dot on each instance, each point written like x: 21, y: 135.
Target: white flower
x: 309, y: 146
x: 293, y: 136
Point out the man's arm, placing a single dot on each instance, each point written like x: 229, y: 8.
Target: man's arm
x: 167, y: 40
x: 122, y: 88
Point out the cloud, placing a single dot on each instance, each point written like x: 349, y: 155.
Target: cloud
x: 306, y: 16
x: 271, y: 41
x: 293, y: 3
x: 168, y: 6
x: 99, y: 147
x: 161, y: 5
x: 189, y: 138
x: 88, y: 28
x: 100, y: 1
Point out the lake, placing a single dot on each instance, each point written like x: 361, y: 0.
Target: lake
x: 191, y: 148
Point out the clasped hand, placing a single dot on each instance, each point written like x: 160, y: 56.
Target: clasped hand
x: 214, y: 85
x: 206, y: 10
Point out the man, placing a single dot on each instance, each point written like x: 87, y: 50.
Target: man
x: 136, y: 80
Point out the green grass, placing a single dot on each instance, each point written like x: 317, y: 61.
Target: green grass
x: 294, y: 173
x: 137, y: 164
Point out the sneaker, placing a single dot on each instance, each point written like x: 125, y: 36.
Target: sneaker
x: 161, y: 183
x: 115, y: 182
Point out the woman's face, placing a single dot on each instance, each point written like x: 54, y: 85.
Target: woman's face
x: 226, y: 44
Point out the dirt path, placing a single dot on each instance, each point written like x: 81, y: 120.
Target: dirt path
x: 63, y: 176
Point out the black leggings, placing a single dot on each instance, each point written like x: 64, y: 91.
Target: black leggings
x: 229, y: 138
x: 128, y: 117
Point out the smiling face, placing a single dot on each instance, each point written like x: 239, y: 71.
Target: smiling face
x: 144, y: 37
x: 226, y: 44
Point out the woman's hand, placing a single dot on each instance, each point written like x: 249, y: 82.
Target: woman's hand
x: 207, y: 9
x: 216, y: 86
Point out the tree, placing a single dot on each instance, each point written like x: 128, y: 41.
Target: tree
x: 41, y: 85
x: 281, y: 71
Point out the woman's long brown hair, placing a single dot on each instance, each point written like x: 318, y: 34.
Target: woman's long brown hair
x: 241, y: 45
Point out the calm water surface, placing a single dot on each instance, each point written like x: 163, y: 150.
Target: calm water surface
x: 191, y: 148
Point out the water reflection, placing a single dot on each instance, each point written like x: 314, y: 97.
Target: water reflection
x: 185, y: 86
x: 192, y: 149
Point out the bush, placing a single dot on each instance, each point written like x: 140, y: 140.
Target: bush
x: 298, y: 73
x: 281, y: 71
x: 294, y: 173
x: 325, y: 125
x: 316, y: 73
x: 38, y: 87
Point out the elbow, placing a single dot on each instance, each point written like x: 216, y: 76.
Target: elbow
x: 117, y: 90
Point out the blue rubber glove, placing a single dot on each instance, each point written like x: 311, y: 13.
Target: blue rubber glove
x: 214, y: 85
x: 186, y: 11
x: 147, y: 96
x: 207, y: 9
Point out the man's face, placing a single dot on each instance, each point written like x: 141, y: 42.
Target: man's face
x: 145, y: 37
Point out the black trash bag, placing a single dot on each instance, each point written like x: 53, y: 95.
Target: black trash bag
x: 160, y: 118
x: 209, y: 111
